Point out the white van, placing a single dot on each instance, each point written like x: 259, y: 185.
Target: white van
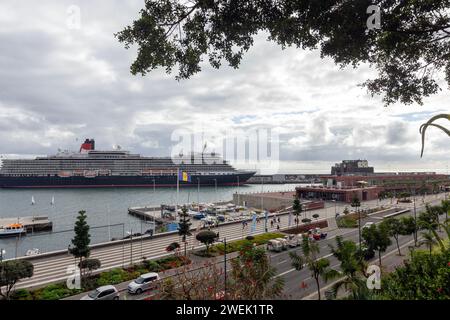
x: 274, y: 245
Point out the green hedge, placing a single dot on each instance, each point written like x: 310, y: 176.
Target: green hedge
x: 50, y: 292
x: 115, y: 276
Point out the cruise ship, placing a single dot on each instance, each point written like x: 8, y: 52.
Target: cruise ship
x: 89, y: 168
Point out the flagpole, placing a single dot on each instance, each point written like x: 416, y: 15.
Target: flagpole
x: 178, y: 190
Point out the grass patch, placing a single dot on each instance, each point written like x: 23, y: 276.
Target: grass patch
x: 349, y: 220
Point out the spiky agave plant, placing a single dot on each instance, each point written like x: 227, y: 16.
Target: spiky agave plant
x: 424, y: 127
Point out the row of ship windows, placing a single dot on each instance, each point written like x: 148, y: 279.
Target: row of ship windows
x: 165, y: 163
x: 123, y: 174
x: 104, y: 171
x: 97, y: 164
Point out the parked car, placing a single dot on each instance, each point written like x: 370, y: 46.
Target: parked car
x: 103, y: 293
x: 199, y: 216
x: 143, y: 283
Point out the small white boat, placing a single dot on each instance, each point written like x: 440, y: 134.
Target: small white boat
x: 12, y: 230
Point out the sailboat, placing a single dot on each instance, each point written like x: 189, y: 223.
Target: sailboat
x: 53, y: 201
x: 32, y: 200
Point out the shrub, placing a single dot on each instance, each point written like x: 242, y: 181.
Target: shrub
x: 22, y: 294
x: 113, y: 276
x: 346, y: 222
x: 54, y: 292
x: 152, y: 266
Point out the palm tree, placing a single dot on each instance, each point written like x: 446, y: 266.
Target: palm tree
x: 352, y: 270
x: 319, y: 267
x: 437, y: 238
x: 428, y: 239
x: 298, y: 208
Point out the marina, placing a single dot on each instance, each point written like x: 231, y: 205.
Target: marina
x: 107, y: 211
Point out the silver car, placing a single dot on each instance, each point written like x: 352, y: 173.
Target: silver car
x: 144, y: 282
x: 103, y: 293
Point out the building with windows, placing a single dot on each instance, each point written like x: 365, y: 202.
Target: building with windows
x: 411, y: 182
x: 370, y: 187
x: 352, y: 167
x: 342, y: 194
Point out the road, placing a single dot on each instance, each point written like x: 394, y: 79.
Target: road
x: 293, y: 278
x: 54, y: 269
x: 300, y: 284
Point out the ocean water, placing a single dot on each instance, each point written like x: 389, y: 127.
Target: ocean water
x: 107, y: 211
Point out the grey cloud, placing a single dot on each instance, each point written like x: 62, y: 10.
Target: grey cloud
x: 74, y: 84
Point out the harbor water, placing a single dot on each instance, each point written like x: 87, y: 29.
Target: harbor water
x: 107, y: 211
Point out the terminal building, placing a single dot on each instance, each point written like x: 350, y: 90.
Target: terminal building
x: 273, y: 201
x: 352, y: 167
x: 354, y: 178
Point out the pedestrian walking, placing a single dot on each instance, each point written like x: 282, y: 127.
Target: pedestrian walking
x: 271, y: 223
x: 278, y: 227
x: 279, y: 220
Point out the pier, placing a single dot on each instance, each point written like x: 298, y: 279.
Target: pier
x: 147, y: 213
x: 30, y: 224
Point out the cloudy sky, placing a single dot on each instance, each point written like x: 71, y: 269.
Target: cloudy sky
x: 59, y: 85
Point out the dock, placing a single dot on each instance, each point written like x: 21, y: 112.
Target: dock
x: 146, y: 213
x: 31, y: 224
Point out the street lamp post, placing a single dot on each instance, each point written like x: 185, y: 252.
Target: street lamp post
x: 131, y: 245
x: 215, y: 188
x: 262, y: 195
x: 357, y: 204
x: 123, y: 244
x: 238, y: 190
x: 224, y: 241
x: 415, y: 220
x: 198, y: 194
x: 142, y: 239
